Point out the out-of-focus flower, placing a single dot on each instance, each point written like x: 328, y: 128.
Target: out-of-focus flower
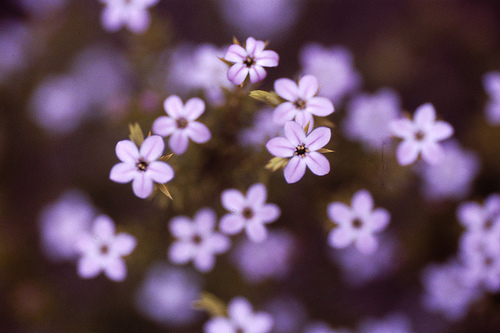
x: 263, y: 130
x: 368, y: 116
x: 302, y: 151
x: 15, y: 43
x: 359, y: 269
x: 271, y: 259
x: 141, y: 166
x: 289, y: 313
x: 396, y: 322
x: 491, y: 83
x: 302, y: 102
x: 180, y: 123
x: 102, y: 250
x: 241, y: 319
x: 321, y: 327
x: 446, y: 291
x: 357, y: 224
x: 453, y: 177
x: 197, y: 240
x: 42, y: 8
x: 167, y: 294
x: 130, y: 13
x: 261, y: 18
x: 334, y: 68
x: 479, y: 218
x: 250, y: 61
x: 62, y: 222
x: 421, y: 136
x: 250, y: 213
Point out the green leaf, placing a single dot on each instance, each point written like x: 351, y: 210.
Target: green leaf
x: 163, y: 188
x: 325, y: 150
x: 211, y: 304
x: 276, y: 163
x: 306, y: 129
x: 269, y: 97
x: 136, y: 134
x: 165, y: 158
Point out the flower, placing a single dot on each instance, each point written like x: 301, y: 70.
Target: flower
x: 180, y: 123
x: 480, y: 218
x: 250, y: 61
x: 357, y: 224
x: 241, y: 319
x: 132, y: 13
x: 249, y: 213
x: 102, y: 250
x: 421, y: 136
x: 197, y: 240
x: 302, y: 150
x: 491, y: 83
x: 263, y: 129
x: 302, y: 102
x: 321, y: 327
x: 141, y: 166
x: 394, y: 322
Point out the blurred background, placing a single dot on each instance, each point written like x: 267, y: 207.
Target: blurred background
x: 69, y: 89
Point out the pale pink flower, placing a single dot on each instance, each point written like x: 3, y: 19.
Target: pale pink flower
x: 357, y: 224
x: 301, y: 101
x: 180, y: 123
x: 141, y: 166
x: 130, y: 13
x: 421, y: 136
x: 102, y: 250
x: 302, y: 151
x: 250, y: 60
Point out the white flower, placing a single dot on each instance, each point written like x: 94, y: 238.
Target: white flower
x: 180, y: 123
x: 241, y: 319
x: 141, y: 166
x: 131, y: 13
x: 357, y: 224
x: 102, y: 250
x: 421, y: 136
x: 197, y: 240
x: 249, y: 213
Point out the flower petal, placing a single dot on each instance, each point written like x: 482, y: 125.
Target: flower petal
x: 122, y: 172
x: 294, y: 170
x: 280, y: 147
x: 219, y: 243
x: 317, y: 163
x: 239, y: 310
x: 379, y: 219
x: 237, y: 73
x: 432, y: 153
x: 308, y: 87
x: 104, y: 228
x: 402, y: 128
x: 407, y: 152
x: 198, y: 132
x: 287, y: 89
x: 173, y: 106
x: 366, y: 243
x: 253, y: 46
x: 303, y: 118
x: 362, y: 203
x: 267, y: 58
x: 124, y: 244
x: 424, y: 116
x: 179, y: 142
x: 257, y: 73
x: 204, y: 221
x: 204, y: 261
x: 181, y: 252
x: 111, y: 18
x: 340, y: 238
x: 440, y: 131
x: 152, y: 147
x: 340, y: 213
x: 138, y: 20
x: 194, y: 108
x: 218, y: 325
x: 295, y: 133
x: 256, y: 232
x: 284, y: 112
x: 160, y: 172
x: 164, y: 126
x: 116, y: 270
x: 320, y: 106
x: 318, y: 138
x: 181, y: 227
x: 127, y: 151
x: 233, y: 200
x: 268, y: 213
x: 256, y: 195
x: 88, y: 267
x: 142, y: 185
x: 236, y: 53
x: 231, y: 224
x: 261, y: 322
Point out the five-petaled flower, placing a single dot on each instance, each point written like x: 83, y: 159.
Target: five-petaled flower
x: 241, y: 319
x: 102, y: 250
x: 197, y: 240
x: 180, y: 123
x: 358, y: 223
x: 141, y: 166
x: 421, y: 136
x: 249, y: 213
x: 302, y: 150
x: 302, y: 102
x: 132, y: 13
x: 250, y: 60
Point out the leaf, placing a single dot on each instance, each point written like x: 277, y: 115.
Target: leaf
x: 136, y: 135
x: 276, y: 163
x: 163, y: 188
x: 227, y: 62
x: 325, y: 150
x: 236, y: 41
x: 165, y: 158
x: 306, y: 129
x: 211, y: 304
x: 269, y: 97
x: 322, y: 121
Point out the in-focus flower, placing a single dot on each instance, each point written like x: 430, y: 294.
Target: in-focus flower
x: 248, y: 212
x: 302, y: 102
x: 141, y: 166
x: 421, y: 136
x: 180, y: 123
x: 250, y: 60
x: 130, y: 13
x: 197, y: 240
x: 491, y: 83
x: 102, y: 250
x: 302, y: 151
x: 357, y: 224
x: 241, y: 319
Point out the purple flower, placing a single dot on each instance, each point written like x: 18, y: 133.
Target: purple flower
x: 321, y: 327
x: 141, y: 166
x: 102, y: 250
x: 262, y: 130
x: 491, y: 83
x: 249, y: 213
x: 393, y: 323
x: 131, y: 13
x: 241, y: 319
x: 421, y: 136
x: 302, y: 151
x: 302, y: 102
x: 180, y: 123
x: 250, y: 60
x: 196, y: 240
x: 358, y: 223
x: 479, y: 218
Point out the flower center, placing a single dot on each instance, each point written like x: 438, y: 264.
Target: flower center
x: 104, y: 249
x: 182, y: 122
x: 301, y: 150
x: 247, y: 213
x: 419, y: 135
x: 197, y: 239
x: 249, y: 61
x: 142, y: 165
x: 357, y: 224
x: 300, y: 104
x: 488, y: 261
